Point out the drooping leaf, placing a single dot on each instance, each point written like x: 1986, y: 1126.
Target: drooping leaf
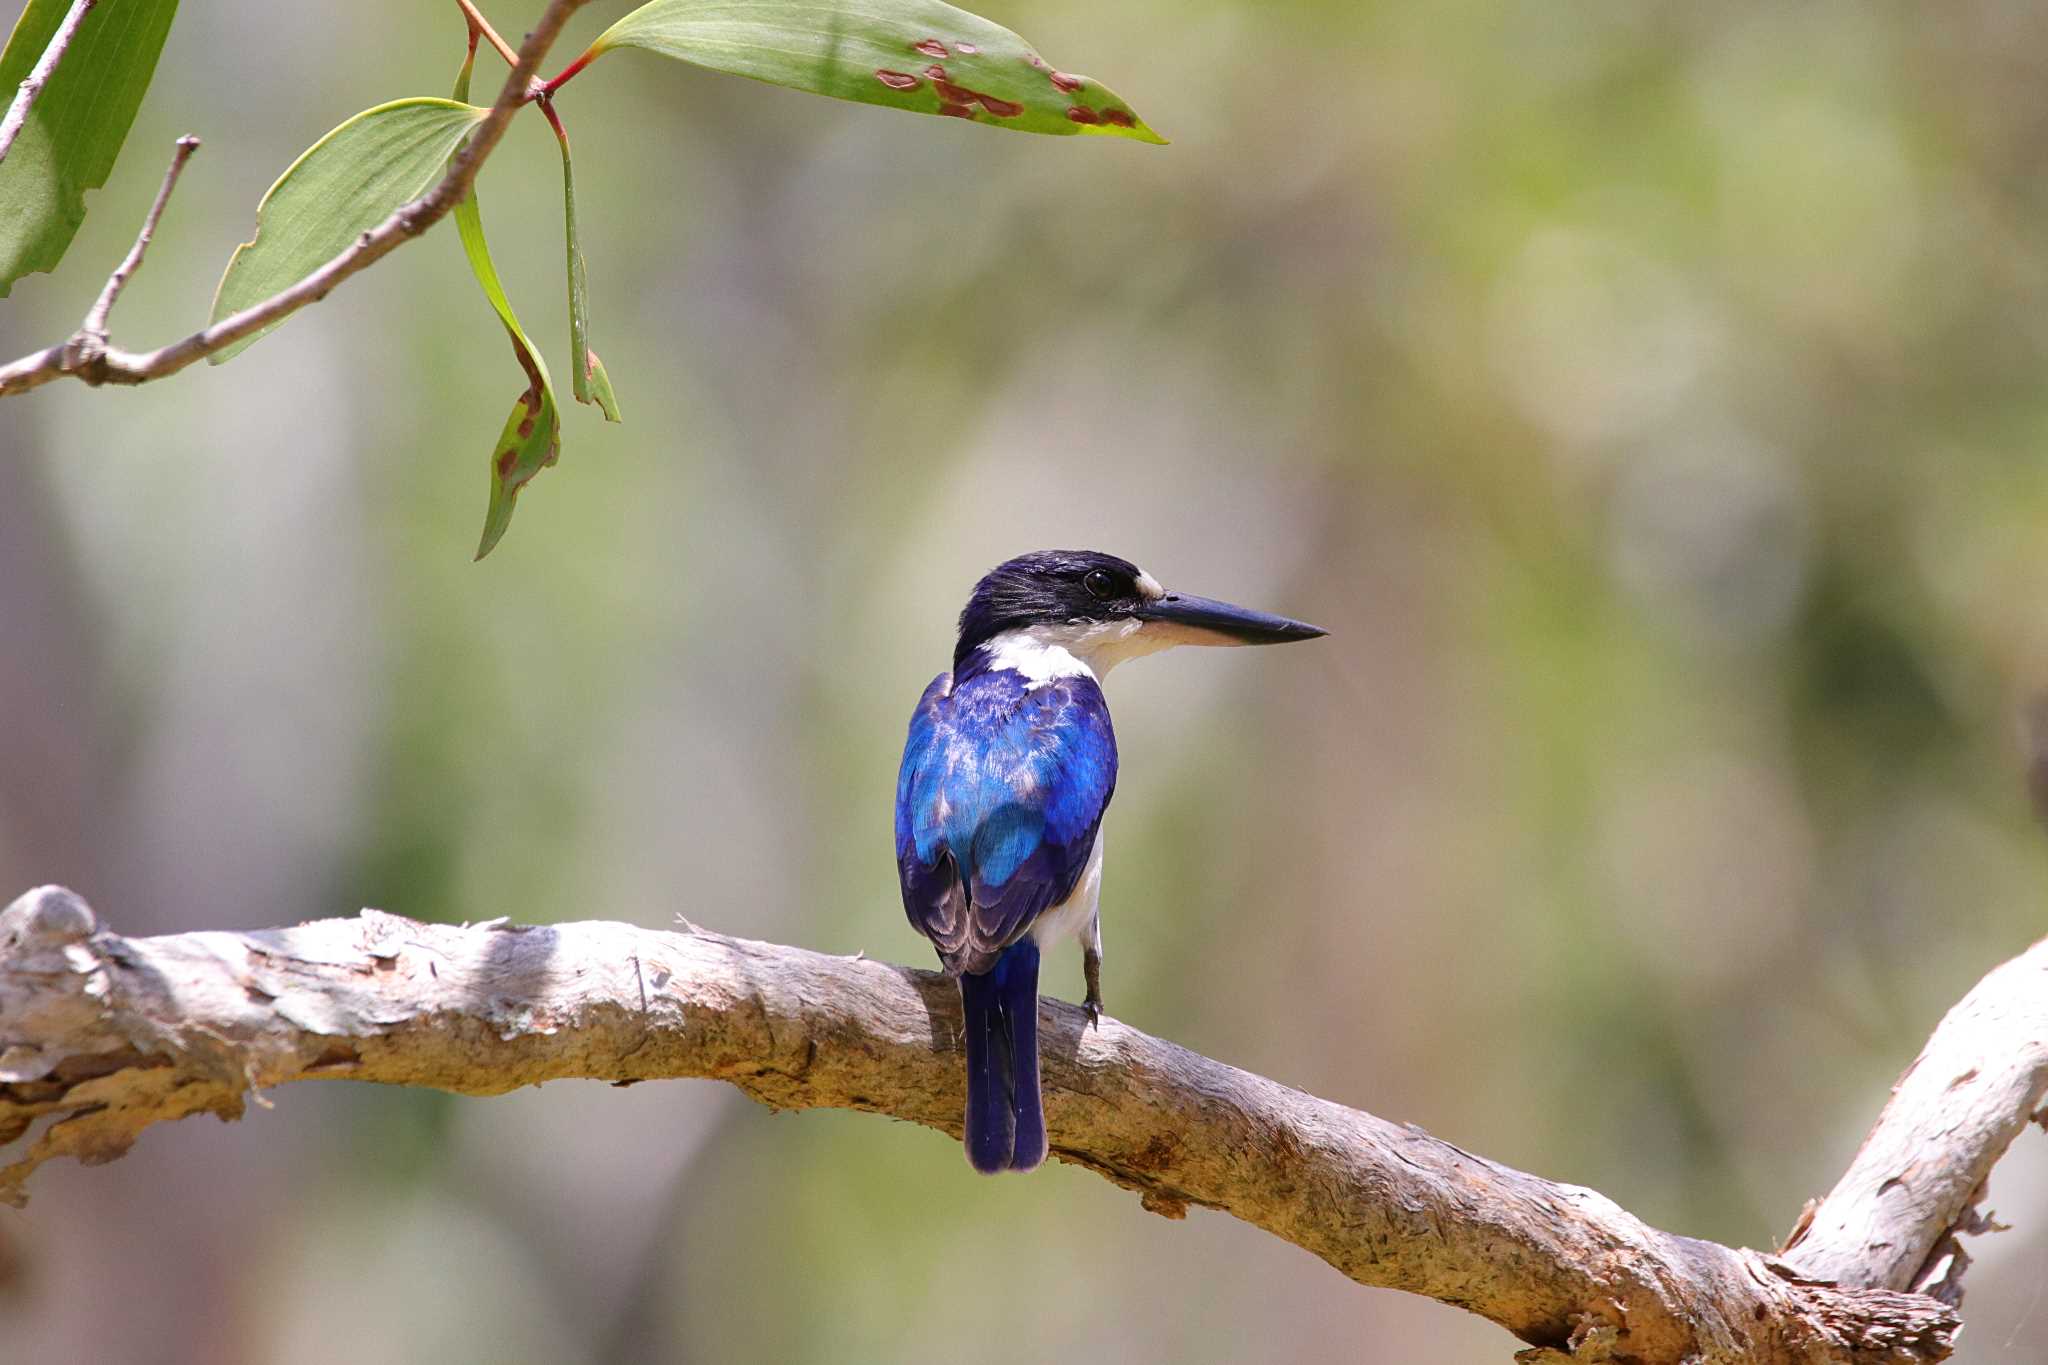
x: 920, y: 55
x: 588, y: 379
x: 532, y: 438
x: 76, y: 128
x: 344, y: 185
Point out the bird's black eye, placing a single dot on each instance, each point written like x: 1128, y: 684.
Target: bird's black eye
x: 1101, y: 584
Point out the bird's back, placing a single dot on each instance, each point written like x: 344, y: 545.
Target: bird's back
x: 1003, y: 785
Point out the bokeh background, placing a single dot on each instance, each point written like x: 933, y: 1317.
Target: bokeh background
x: 1650, y: 397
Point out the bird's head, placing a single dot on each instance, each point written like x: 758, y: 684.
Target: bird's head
x: 1042, y: 612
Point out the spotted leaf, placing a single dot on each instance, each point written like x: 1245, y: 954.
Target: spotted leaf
x: 921, y: 55
x: 532, y: 438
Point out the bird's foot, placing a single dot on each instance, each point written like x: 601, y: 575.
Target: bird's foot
x: 1091, y: 972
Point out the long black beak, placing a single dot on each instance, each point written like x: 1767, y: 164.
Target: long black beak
x: 1223, y: 624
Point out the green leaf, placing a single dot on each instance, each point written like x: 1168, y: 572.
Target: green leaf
x: 532, y: 438
x: 344, y: 185
x: 920, y: 55
x: 76, y: 128
x: 588, y: 380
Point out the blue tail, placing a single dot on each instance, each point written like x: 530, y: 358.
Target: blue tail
x: 1005, y: 1125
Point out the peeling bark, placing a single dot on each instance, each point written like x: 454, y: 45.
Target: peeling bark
x: 101, y: 1036
x: 1892, y: 1219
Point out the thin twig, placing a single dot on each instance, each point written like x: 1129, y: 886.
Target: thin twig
x: 25, y: 97
x: 479, y: 24
x: 111, y: 365
x: 95, y: 324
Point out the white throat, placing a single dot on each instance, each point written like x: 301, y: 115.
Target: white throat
x: 1091, y: 648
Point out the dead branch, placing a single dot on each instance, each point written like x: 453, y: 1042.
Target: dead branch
x: 102, y: 1036
x: 1916, y: 1181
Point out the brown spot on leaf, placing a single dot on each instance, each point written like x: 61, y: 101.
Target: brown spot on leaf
x: 935, y: 71
x: 956, y: 111
x: 931, y: 47
x: 1081, y: 113
x: 526, y: 425
x: 959, y: 95
x: 504, y: 462
x: 1034, y: 61
x: 1064, y: 83
x: 966, y: 49
x: 896, y: 80
x: 1120, y: 117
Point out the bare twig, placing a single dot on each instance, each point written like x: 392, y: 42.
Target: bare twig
x: 32, y: 87
x: 95, y: 325
x: 101, y: 1036
x: 111, y: 365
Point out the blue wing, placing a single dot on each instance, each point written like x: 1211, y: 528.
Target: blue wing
x: 1001, y: 791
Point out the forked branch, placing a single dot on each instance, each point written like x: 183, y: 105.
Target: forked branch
x: 101, y: 1036
x: 94, y: 361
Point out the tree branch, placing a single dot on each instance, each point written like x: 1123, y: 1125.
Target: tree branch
x: 32, y: 87
x: 95, y: 324
x: 105, y: 1035
x: 80, y: 358
x: 1916, y: 1181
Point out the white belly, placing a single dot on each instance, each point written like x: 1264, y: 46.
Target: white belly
x: 1075, y: 917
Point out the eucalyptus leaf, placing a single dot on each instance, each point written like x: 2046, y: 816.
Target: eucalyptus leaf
x: 345, y: 184
x: 76, y: 128
x: 921, y: 55
x: 588, y: 381
x: 532, y: 438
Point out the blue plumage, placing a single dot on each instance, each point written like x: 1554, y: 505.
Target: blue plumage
x: 1005, y: 1129
x: 998, y: 803
x: 1008, y: 767
x: 1001, y: 792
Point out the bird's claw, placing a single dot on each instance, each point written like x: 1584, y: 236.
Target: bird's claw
x: 1093, y: 1004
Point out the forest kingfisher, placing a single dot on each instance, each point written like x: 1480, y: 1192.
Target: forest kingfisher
x: 1007, y: 770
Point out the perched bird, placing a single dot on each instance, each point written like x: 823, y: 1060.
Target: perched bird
x: 1008, y: 768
